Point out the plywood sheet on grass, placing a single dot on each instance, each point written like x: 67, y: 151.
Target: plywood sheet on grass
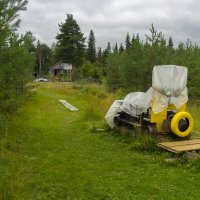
x: 181, y: 146
x: 68, y: 105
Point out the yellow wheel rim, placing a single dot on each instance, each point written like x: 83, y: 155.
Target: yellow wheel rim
x: 175, y: 124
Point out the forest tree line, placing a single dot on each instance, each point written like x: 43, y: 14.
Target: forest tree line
x: 127, y: 65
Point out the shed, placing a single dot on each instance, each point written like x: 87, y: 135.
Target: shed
x: 61, y: 68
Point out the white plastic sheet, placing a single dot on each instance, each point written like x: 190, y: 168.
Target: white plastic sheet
x: 112, y: 112
x: 134, y: 104
x: 169, y: 86
x: 169, y: 80
x: 137, y: 102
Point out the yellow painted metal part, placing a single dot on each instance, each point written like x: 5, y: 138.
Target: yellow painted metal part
x: 175, y: 121
x: 158, y: 118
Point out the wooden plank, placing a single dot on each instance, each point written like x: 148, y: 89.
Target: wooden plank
x: 181, y: 146
x: 168, y: 149
x: 68, y: 105
x: 187, y: 148
x: 180, y: 143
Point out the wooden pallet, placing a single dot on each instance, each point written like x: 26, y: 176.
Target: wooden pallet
x: 181, y: 146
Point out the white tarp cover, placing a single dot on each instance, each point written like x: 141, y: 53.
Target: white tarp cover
x: 112, y: 112
x: 134, y: 104
x: 168, y: 87
x: 137, y: 102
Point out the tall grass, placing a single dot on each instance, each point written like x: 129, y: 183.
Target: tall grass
x: 194, y: 109
x: 93, y: 109
x: 145, y: 143
x: 12, y: 135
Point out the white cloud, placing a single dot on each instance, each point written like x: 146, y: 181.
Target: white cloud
x: 112, y: 19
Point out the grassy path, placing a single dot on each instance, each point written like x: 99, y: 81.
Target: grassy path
x: 50, y: 153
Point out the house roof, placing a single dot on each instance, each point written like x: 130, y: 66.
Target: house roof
x: 60, y: 65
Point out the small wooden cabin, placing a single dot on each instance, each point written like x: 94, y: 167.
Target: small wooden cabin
x: 61, y: 69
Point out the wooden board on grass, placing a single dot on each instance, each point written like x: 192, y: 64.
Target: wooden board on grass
x: 68, y: 105
x: 181, y: 146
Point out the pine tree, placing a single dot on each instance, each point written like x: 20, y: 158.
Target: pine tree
x: 156, y: 37
x: 105, y: 53
x: 108, y: 48
x: 9, y: 20
x: 133, y: 40
x: 99, y: 54
x: 115, y: 49
x: 70, y: 46
x: 127, y: 41
x: 121, y: 48
x: 30, y: 38
x: 170, y: 43
x: 16, y: 57
x: 91, y: 51
x: 43, y: 58
x: 39, y: 57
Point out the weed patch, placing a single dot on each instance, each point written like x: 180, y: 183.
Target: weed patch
x: 145, y: 143
x: 92, y: 109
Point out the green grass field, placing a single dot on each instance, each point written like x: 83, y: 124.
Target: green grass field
x: 48, y: 152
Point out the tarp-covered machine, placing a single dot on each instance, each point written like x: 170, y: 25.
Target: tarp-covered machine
x: 161, y: 109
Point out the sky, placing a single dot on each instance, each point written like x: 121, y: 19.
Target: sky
x: 111, y: 20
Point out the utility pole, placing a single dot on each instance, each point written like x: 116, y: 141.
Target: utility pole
x: 39, y: 58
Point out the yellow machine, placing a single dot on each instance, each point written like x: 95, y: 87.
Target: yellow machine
x: 179, y: 123
x: 161, y: 110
